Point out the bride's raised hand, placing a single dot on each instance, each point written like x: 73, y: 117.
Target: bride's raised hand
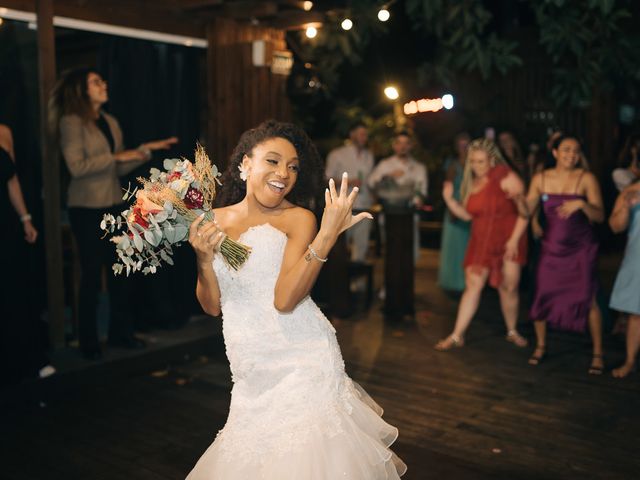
x: 205, y: 239
x: 337, y: 216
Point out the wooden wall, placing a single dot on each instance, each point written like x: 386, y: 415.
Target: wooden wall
x: 239, y: 95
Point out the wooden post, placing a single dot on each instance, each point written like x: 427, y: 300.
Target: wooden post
x: 50, y: 175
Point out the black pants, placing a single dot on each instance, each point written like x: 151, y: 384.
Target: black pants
x: 95, y: 253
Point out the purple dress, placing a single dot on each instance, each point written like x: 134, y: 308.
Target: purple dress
x: 566, y: 271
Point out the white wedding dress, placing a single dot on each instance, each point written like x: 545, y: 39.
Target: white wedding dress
x: 294, y: 414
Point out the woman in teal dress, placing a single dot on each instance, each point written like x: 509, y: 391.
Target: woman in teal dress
x: 626, y: 290
x: 455, y: 232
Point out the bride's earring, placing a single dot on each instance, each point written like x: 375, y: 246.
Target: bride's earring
x: 244, y: 172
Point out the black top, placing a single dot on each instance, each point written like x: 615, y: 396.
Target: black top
x: 7, y: 212
x: 102, y: 124
x: 7, y: 168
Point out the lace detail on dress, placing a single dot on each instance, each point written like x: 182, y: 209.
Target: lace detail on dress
x: 291, y: 398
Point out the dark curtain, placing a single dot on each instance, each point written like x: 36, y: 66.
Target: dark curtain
x: 23, y: 333
x: 154, y: 94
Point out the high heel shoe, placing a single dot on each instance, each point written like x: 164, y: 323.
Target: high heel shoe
x: 596, y: 369
x: 452, y: 341
x: 538, y: 355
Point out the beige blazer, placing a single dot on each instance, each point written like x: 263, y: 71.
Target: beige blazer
x: 94, y: 171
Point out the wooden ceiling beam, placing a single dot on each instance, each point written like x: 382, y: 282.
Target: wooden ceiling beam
x: 121, y: 13
x: 296, y: 20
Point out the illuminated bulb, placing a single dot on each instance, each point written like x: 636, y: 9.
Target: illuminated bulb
x: 391, y: 93
x: 307, y: 6
x: 447, y: 101
x: 383, y: 15
x: 311, y: 32
x: 347, y: 24
x: 188, y: 43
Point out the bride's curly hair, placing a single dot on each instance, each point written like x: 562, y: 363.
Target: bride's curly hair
x: 306, y: 191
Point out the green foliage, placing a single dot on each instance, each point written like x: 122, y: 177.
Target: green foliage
x: 460, y: 31
x: 334, y: 46
x: 593, y: 45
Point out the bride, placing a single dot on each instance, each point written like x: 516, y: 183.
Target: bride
x: 294, y: 413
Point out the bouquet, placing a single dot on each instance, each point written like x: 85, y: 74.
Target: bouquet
x: 164, y: 208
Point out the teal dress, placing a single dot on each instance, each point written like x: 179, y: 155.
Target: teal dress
x: 455, y: 236
x: 626, y: 291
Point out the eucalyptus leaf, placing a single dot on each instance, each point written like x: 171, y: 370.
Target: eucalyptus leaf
x: 169, y: 164
x: 150, y: 237
x: 137, y: 241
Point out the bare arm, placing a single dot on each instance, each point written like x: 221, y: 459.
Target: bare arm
x: 455, y: 206
x: 534, y: 193
x: 593, y: 207
x: 298, y: 274
x: 129, y: 160
x: 15, y: 191
x: 204, y: 240
x: 13, y: 185
x: 513, y: 187
x: 619, y: 219
x: 300, y: 268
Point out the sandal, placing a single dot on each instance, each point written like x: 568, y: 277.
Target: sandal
x: 518, y: 340
x: 537, y: 359
x: 596, y: 369
x: 452, y: 341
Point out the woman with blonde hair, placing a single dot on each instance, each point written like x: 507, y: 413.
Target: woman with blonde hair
x: 492, y: 199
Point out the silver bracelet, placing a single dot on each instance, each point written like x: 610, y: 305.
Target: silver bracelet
x: 25, y: 218
x: 312, y: 253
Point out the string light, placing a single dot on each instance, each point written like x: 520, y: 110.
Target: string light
x: 391, y: 92
x: 447, y: 101
x: 347, y: 24
x: 383, y: 15
x: 429, y: 105
x: 307, y: 6
x: 311, y: 32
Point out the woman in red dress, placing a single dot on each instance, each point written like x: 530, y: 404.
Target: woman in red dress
x: 492, y: 198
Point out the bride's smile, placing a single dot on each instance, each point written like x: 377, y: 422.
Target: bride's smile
x: 272, y: 171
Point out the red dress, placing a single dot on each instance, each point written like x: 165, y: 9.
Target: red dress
x: 494, y: 216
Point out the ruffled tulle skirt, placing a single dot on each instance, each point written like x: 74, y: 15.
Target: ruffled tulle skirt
x: 347, y: 440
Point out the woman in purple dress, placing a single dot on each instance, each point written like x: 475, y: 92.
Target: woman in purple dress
x: 566, y: 272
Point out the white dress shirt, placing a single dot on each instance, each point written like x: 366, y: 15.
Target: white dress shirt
x: 414, y: 173
x: 358, y: 164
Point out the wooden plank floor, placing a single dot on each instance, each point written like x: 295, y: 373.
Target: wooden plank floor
x: 475, y: 413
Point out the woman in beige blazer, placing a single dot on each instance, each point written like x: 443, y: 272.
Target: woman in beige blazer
x: 91, y: 143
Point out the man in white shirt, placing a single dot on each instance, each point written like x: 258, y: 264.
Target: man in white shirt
x: 357, y: 160
x: 407, y: 172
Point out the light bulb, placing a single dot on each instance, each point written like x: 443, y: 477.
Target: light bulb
x: 391, y: 93
x: 447, y: 101
x: 383, y: 15
x: 311, y: 32
x: 347, y: 24
x: 307, y: 6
